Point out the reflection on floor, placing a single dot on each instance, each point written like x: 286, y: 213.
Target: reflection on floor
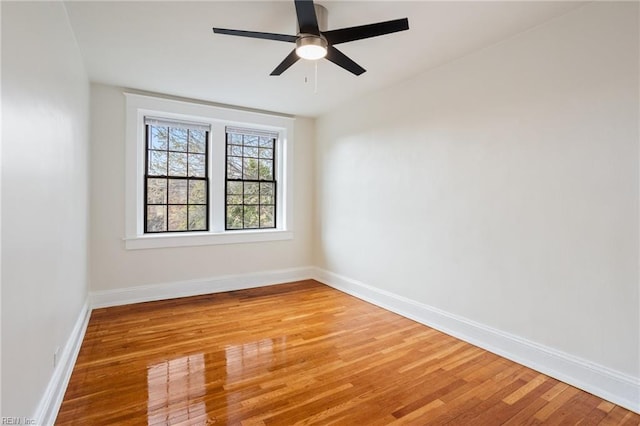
x: 176, y: 389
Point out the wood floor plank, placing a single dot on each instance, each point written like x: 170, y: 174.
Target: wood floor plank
x: 302, y: 353
x: 523, y: 391
x: 620, y: 416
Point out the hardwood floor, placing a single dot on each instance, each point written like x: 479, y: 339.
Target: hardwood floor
x: 302, y: 353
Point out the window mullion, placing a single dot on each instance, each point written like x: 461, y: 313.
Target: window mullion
x: 217, y: 173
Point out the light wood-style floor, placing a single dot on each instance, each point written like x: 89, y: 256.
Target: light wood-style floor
x: 302, y: 353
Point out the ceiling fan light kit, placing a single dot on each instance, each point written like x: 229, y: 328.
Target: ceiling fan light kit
x: 312, y: 43
x: 311, y: 47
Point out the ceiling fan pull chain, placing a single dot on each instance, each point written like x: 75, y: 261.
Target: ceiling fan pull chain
x: 315, y: 89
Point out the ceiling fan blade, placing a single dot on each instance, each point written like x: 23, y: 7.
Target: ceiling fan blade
x: 342, y: 60
x: 366, y: 31
x: 307, y: 19
x: 255, y: 34
x: 284, y: 65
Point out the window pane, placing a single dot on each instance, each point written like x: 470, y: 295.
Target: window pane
x: 177, y: 218
x: 234, y: 168
x: 235, y: 150
x: 177, y: 139
x: 250, y: 169
x: 251, y: 199
x: 267, y: 217
x: 266, y: 193
x: 177, y: 164
x: 266, y: 153
x: 265, y: 169
x: 234, y: 199
x: 250, y: 140
x: 234, y: 217
x: 235, y: 138
x: 156, y: 191
x: 266, y: 142
x: 197, y: 218
x: 250, y: 151
x: 159, y: 137
x: 251, y: 188
x: 197, y: 165
x: 234, y: 188
x: 157, y: 163
x: 267, y: 188
x: 197, y: 141
x: 251, y: 217
x: 177, y: 191
x: 197, y: 192
x: 156, y: 218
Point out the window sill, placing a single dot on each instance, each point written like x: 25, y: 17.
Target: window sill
x: 205, y: 239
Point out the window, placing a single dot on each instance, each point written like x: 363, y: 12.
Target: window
x: 250, y: 181
x: 176, y: 178
x: 198, y: 174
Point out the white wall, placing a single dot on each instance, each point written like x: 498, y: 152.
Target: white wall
x: 502, y: 187
x: 45, y: 100
x: 114, y: 268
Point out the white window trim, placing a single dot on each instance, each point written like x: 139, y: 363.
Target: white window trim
x: 139, y: 106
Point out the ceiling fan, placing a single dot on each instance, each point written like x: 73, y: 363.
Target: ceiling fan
x: 313, y: 43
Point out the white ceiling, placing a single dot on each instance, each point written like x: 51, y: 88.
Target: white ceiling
x: 169, y: 47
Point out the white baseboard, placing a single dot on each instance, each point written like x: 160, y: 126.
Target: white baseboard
x: 172, y: 290
x: 619, y: 388
x: 49, y: 405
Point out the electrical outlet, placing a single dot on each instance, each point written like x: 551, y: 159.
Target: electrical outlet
x: 55, y: 357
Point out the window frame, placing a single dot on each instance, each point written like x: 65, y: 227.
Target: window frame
x: 138, y: 106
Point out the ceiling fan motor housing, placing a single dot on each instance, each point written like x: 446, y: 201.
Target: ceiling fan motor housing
x: 322, y: 14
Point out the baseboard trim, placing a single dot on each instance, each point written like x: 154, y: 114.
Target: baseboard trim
x: 619, y: 388
x: 50, y: 403
x: 172, y: 290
